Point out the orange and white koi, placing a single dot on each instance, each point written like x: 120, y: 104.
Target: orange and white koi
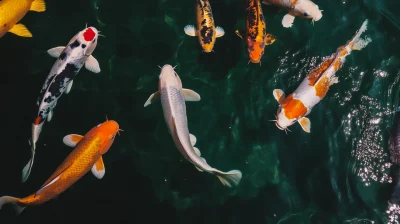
x: 12, y: 11
x: 296, y: 106
x: 86, y: 156
x: 206, y: 30
x: 255, y: 33
x: 301, y: 8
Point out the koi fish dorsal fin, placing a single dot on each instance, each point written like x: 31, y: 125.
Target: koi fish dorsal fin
x: 98, y: 168
x: 72, y: 139
x: 47, y: 185
x: 53, y: 179
x: 317, y: 73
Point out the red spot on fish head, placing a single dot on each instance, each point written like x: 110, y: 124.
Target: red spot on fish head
x: 89, y: 34
x: 37, y: 120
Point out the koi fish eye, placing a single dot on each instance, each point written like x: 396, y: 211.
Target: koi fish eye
x: 112, y: 137
x: 306, y: 14
x: 176, y: 74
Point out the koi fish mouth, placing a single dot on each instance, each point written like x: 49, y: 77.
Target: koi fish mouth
x: 277, y: 125
x: 315, y: 19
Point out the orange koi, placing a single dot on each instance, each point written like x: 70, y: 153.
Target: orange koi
x: 86, y: 156
x: 255, y: 33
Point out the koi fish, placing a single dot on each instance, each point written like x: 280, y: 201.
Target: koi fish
x: 69, y: 61
x: 12, y: 11
x: 314, y: 87
x: 86, y: 156
x: 255, y: 33
x: 173, y: 98
x: 301, y: 8
x: 394, y: 149
x: 206, y: 30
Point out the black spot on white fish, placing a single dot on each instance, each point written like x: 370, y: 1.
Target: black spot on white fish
x: 60, y: 82
x: 94, y: 40
x: 75, y: 44
x: 206, y: 34
x: 63, y: 55
x: 83, y: 45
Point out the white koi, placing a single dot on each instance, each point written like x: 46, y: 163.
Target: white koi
x: 173, y: 98
x: 301, y: 8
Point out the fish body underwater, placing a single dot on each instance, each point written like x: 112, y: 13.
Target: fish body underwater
x: 255, y: 33
x: 86, y: 156
x: 206, y: 30
x: 12, y: 11
x: 305, y: 9
x: 69, y: 61
x: 173, y: 98
x: 296, y: 106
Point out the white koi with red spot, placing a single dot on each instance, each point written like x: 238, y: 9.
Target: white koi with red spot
x: 296, y: 106
x: 69, y: 62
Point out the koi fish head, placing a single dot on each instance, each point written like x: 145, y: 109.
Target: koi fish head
x: 86, y: 39
x: 168, y: 77
x: 207, y: 47
x: 255, y: 49
x: 107, y: 132
x: 290, y: 110
x: 282, y: 121
x: 308, y: 10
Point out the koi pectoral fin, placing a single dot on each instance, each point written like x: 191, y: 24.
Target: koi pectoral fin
x: 220, y: 31
x: 190, y: 30
x: 279, y: 95
x: 92, y: 64
x: 288, y: 20
x: 72, y: 139
x: 240, y: 33
x: 305, y: 124
x: 190, y: 95
x: 38, y: 6
x: 153, y: 98
x: 269, y: 39
x: 56, y: 51
x: 98, y: 168
x: 20, y: 30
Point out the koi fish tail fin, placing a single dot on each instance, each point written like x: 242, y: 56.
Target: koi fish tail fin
x: 14, y: 201
x: 231, y: 178
x: 26, y: 171
x: 358, y: 43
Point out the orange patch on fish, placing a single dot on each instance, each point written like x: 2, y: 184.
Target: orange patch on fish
x: 315, y: 75
x: 294, y: 2
x: 322, y: 87
x: 343, y: 52
x: 100, y: 164
x: 293, y: 108
x: 337, y: 64
x: 76, y: 138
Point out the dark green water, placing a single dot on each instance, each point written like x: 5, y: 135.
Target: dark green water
x: 339, y: 173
